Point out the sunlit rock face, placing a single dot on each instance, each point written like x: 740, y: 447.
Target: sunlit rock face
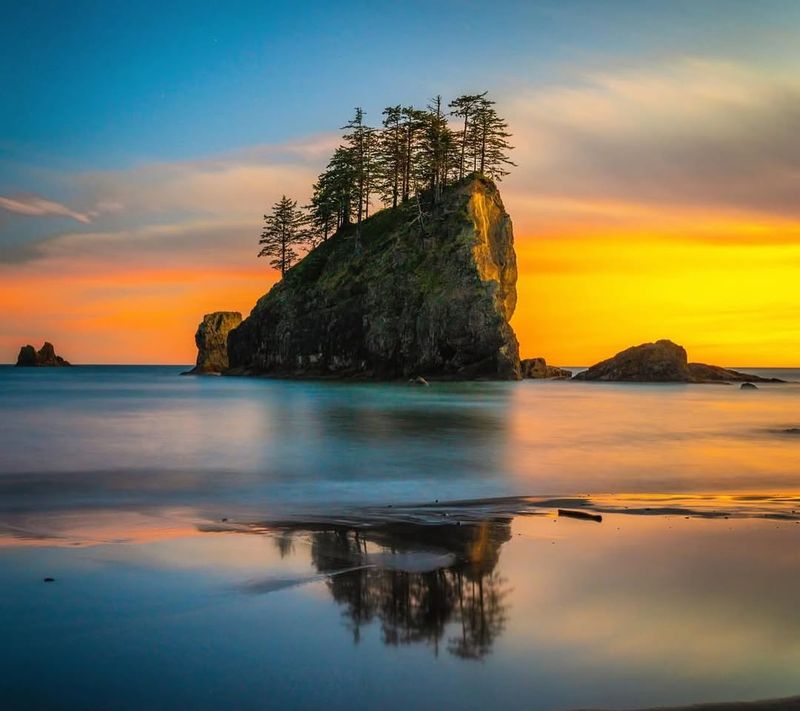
x: 45, y: 357
x: 537, y: 368
x: 428, y: 294
x: 212, y: 341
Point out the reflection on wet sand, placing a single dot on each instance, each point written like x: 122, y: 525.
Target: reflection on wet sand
x: 394, y: 575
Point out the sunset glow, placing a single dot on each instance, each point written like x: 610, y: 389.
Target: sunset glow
x: 654, y: 197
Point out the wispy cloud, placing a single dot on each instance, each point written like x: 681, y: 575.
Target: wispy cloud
x: 683, y: 134
x: 36, y: 206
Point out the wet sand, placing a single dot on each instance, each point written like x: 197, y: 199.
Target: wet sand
x: 667, y: 600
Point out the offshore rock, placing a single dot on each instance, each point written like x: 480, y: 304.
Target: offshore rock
x: 701, y: 372
x: 45, y: 357
x: 538, y: 368
x: 422, y: 293
x: 212, y: 342
x: 659, y: 362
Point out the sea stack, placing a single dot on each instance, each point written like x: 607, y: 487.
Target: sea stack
x: 417, y: 292
x: 45, y: 357
x: 211, y: 339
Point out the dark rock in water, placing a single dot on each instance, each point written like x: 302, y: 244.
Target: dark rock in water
x: 538, y: 368
x: 748, y: 386
x: 45, y: 357
x: 212, y: 342
x: 419, y: 380
x: 663, y: 362
x: 427, y: 292
x: 49, y: 580
x: 701, y: 372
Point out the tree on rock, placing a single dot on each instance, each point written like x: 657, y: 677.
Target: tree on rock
x: 284, y: 229
x: 465, y: 107
x: 488, y: 136
x: 360, y: 145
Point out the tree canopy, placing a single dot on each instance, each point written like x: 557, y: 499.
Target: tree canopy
x: 414, y: 154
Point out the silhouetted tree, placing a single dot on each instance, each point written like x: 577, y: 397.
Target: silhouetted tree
x: 391, y: 155
x: 464, y: 107
x: 436, y: 149
x: 324, y: 210
x: 488, y: 141
x: 284, y: 230
x: 360, y: 144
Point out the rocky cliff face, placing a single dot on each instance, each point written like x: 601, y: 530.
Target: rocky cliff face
x: 425, y: 296
x: 45, y: 357
x: 662, y: 361
x: 211, y: 339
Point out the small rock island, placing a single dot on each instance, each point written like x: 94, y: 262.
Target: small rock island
x: 211, y: 339
x: 662, y: 362
x: 45, y: 357
x: 537, y: 368
x: 418, y: 294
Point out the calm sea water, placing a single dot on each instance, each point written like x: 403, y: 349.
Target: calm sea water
x: 206, y: 548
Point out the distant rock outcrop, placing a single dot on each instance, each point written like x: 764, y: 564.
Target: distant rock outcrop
x: 212, y: 342
x: 662, y: 362
x: 423, y: 292
x: 538, y: 368
x: 701, y: 372
x: 45, y: 357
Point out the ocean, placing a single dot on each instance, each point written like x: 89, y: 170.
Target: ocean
x: 221, y: 542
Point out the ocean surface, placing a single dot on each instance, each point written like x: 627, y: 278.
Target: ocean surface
x: 255, y: 543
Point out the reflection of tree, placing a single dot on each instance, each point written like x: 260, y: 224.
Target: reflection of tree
x: 285, y: 544
x: 415, y: 607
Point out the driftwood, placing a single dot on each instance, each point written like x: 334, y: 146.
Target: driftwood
x: 584, y: 515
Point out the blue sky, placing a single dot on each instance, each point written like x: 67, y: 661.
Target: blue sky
x: 104, y: 84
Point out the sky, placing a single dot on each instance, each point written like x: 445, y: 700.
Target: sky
x: 656, y: 193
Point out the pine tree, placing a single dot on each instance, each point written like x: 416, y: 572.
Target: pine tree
x: 322, y: 212
x: 413, y: 123
x: 488, y: 141
x: 464, y: 107
x: 436, y: 149
x: 284, y: 230
x: 390, y: 157
x: 360, y: 144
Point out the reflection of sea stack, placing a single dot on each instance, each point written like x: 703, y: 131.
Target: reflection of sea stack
x: 395, y: 582
x: 45, y: 357
x: 662, y: 362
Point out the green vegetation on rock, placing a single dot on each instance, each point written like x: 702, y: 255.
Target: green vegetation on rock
x: 425, y: 292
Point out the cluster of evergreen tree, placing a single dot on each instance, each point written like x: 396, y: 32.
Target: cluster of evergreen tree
x: 414, y: 152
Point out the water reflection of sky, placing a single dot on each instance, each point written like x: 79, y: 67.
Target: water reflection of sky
x: 538, y: 612
x: 135, y: 435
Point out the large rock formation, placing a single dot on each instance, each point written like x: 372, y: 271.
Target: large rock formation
x: 212, y: 342
x: 662, y: 361
x: 45, y: 357
x: 537, y: 368
x: 426, y: 293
